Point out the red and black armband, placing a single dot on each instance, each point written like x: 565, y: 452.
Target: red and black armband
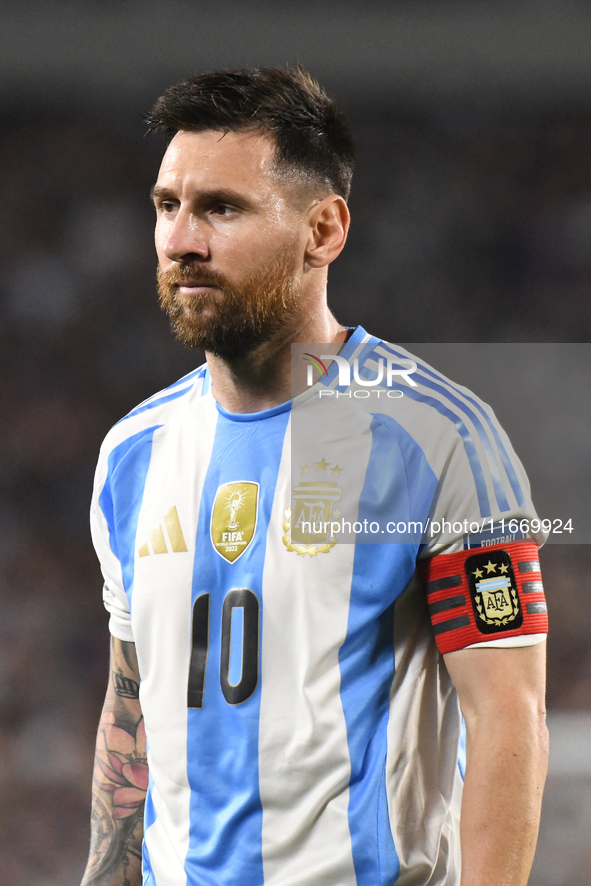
x: 485, y: 594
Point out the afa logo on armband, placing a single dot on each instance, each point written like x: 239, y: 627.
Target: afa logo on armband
x: 493, y: 589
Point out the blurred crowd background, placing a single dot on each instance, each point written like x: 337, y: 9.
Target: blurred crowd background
x: 471, y: 211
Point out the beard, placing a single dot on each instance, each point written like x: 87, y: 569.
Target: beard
x: 234, y: 319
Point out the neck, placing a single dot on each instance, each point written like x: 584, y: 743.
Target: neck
x: 263, y: 378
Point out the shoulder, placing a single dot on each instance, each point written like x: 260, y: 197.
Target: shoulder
x: 421, y: 398
x: 160, y: 409
x: 420, y: 381
x: 456, y: 430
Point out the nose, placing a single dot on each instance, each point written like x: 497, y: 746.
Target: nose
x: 184, y: 238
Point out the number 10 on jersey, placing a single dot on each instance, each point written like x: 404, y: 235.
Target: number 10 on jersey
x: 237, y: 601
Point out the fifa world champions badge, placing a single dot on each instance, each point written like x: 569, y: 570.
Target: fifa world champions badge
x: 234, y: 518
x: 493, y: 590
x: 307, y: 524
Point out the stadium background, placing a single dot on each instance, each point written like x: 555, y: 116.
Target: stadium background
x: 471, y: 223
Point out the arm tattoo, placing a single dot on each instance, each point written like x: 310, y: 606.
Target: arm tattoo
x: 128, y: 650
x: 124, y: 686
x: 115, y: 846
x: 119, y: 788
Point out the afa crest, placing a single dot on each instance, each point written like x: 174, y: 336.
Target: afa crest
x: 495, y: 600
x: 308, y: 524
x: 234, y: 518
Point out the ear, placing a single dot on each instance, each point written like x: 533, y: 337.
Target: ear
x: 329, y: 222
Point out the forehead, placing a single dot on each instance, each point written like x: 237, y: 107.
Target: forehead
x: 239, y: 160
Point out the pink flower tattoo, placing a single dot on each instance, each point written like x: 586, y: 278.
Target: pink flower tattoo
x: 123, y: 765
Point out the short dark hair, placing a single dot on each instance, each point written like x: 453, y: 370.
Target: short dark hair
x: 311, y: 133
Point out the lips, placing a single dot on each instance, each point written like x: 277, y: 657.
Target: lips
x: 193, y: 288
x: 193, y: 284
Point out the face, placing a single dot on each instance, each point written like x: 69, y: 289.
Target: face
x: 230, y: 243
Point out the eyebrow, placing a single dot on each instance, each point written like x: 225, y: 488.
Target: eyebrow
x: 222, y: 195
x: 155, y: 192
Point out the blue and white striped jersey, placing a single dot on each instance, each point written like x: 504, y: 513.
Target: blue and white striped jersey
x: 302, y: 727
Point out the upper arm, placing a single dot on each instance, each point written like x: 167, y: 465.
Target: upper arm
x: 499, y: 681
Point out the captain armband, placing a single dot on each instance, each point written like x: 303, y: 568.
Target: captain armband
x: 485, y: 594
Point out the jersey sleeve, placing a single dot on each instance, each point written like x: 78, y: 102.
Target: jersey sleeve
x: 103, y: 537
x: 479, y: 558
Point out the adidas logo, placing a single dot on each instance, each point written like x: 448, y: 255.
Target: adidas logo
x: 158, y: 539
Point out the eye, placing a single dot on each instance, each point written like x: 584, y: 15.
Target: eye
x: 223, y: 209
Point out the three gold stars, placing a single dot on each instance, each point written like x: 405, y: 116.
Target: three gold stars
x: 322, y: 465
x: 491, y: 567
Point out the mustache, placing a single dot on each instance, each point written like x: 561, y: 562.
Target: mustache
x: 196, y: 275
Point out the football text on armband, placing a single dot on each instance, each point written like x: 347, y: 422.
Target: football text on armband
x: 485, y: 594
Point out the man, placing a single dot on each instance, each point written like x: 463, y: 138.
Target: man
x: 302, y: 725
